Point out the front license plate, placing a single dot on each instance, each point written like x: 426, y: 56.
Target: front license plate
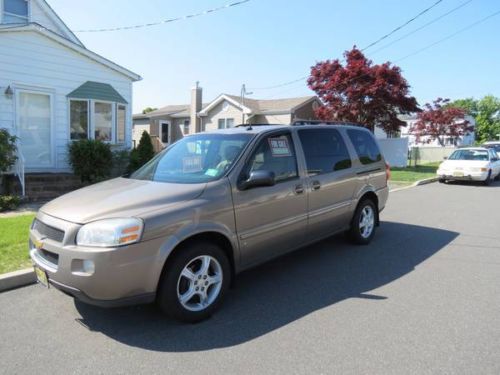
x: 41, y: 276
x: 458, y: 174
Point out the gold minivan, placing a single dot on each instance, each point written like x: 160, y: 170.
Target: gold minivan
x: 180, y: 228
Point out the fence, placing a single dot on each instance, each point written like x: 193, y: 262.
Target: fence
x: 395, y: 151
x: 424, y: 155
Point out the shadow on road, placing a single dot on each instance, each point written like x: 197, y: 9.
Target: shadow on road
x: 279, y: 292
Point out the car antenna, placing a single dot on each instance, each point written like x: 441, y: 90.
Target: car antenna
x: 249, y: 127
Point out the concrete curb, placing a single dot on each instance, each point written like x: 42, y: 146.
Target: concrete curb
x: 426, y: 181
x: 17, y: 279
x: 418, y: 183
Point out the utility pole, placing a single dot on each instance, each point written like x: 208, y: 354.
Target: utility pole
x: 242, y: 101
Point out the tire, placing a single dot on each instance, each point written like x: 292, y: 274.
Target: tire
x: 361, y: 234
x: 488, y: 179
x: 184, y: 276
x: 442, y: 181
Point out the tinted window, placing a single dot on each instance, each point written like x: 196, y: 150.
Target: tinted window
x: 365, y: 146
x: 325, y: 151
x: 275, y: 154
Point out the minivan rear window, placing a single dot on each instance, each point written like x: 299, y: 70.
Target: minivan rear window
x: 324, y: 150
x: 365, y: 146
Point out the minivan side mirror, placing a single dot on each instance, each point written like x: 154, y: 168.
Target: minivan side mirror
x: 258, y: 178
x: 445, y: 157
x: 494, y: 159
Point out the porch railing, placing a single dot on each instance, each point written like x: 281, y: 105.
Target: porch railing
x: 19, y: 169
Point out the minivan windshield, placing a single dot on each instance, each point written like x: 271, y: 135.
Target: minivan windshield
x: 195, y: 159
x: 470, y: 155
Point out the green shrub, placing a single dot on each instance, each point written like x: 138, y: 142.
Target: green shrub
x: 7, y: 150
x: 142, y: 154
x: 9, y: 202
x: 91, y: 160
x: 121, y: 160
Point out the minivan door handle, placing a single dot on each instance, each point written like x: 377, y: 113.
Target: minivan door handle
x: 316, y: 185
x: 299, y: 189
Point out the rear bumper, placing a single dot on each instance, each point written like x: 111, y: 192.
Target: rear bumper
x: 468, y: 176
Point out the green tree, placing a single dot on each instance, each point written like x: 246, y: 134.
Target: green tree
x: 488, y: 119
x: 143, y: 153
x: 469, y: 105
x: 148, y: 109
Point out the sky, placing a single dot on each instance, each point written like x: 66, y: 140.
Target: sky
x: 268, y: 42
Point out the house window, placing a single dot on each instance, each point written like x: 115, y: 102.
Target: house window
x: 120, y: 123
x: 79, y: 119
x: 186, y: 127
x: 104, y: 121
x: 15, y: 11
x: 225, y: 123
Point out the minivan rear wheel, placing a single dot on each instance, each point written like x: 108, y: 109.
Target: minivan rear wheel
x: 194, y: 282
x: 364, y: 222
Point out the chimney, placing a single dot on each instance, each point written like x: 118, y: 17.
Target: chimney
x: 196, y: 102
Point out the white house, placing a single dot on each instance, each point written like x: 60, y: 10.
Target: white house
x: 427, y: 141
x: 54, y: 90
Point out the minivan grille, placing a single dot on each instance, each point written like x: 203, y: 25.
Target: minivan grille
x: 48, y: 232
x: 49, y: 256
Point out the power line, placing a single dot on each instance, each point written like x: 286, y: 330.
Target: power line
x: 370, y: 45
x: 422, y: 27
x: 169, y: 20
x: 470, y: 26
x: 401, y: 26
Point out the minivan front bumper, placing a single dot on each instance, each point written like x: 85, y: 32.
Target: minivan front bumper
x: 100, y: 276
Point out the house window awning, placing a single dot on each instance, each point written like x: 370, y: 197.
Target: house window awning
x: 97, y: 91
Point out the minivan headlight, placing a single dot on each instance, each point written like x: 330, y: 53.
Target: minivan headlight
x: 110, y: 232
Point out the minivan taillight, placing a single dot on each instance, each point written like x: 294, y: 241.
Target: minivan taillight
x: 387, y: 171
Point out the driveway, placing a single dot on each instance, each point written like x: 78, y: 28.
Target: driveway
x: 423, y: 298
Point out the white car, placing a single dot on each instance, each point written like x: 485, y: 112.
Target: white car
x: 470, y: 164
x: 494, y: 145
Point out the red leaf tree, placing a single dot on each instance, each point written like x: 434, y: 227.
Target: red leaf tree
x: 361, y: 92
x: 438, y: 120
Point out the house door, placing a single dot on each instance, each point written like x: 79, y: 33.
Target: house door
x: 165, y: 132
x: 34, y: 127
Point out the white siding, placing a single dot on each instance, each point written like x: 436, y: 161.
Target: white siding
x: 31, y: 61
x: 39, y: 16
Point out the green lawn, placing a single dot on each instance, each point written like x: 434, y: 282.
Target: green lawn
x: 14, y: 243
x: 413, y: 174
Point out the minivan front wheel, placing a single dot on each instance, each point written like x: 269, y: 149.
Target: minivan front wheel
x: 364, y: 222
x: 194, y: 282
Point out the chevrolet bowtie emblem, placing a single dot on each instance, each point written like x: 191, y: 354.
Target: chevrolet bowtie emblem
x: 38, y: 244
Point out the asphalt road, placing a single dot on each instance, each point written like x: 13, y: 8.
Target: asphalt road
x: 423, y: 298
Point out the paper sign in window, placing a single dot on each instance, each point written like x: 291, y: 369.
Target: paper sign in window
x: 279, y: 147
x: 192, y: 164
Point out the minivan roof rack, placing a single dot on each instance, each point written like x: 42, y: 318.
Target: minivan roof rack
x: 319, y: 122
x: 242, y: 125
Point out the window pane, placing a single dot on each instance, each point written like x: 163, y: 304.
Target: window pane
x: 325, y: 151
x: 275, y: 154
x: 366, y: 148
x: 78, y: 119
x: 229, y: 122
x: 222, y: 123
x: 120, y: 123
x: 18, y: 7
x: 186, y: 127
x: 103, y: 119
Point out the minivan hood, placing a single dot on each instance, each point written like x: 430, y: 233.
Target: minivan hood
x: 120, y: 197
